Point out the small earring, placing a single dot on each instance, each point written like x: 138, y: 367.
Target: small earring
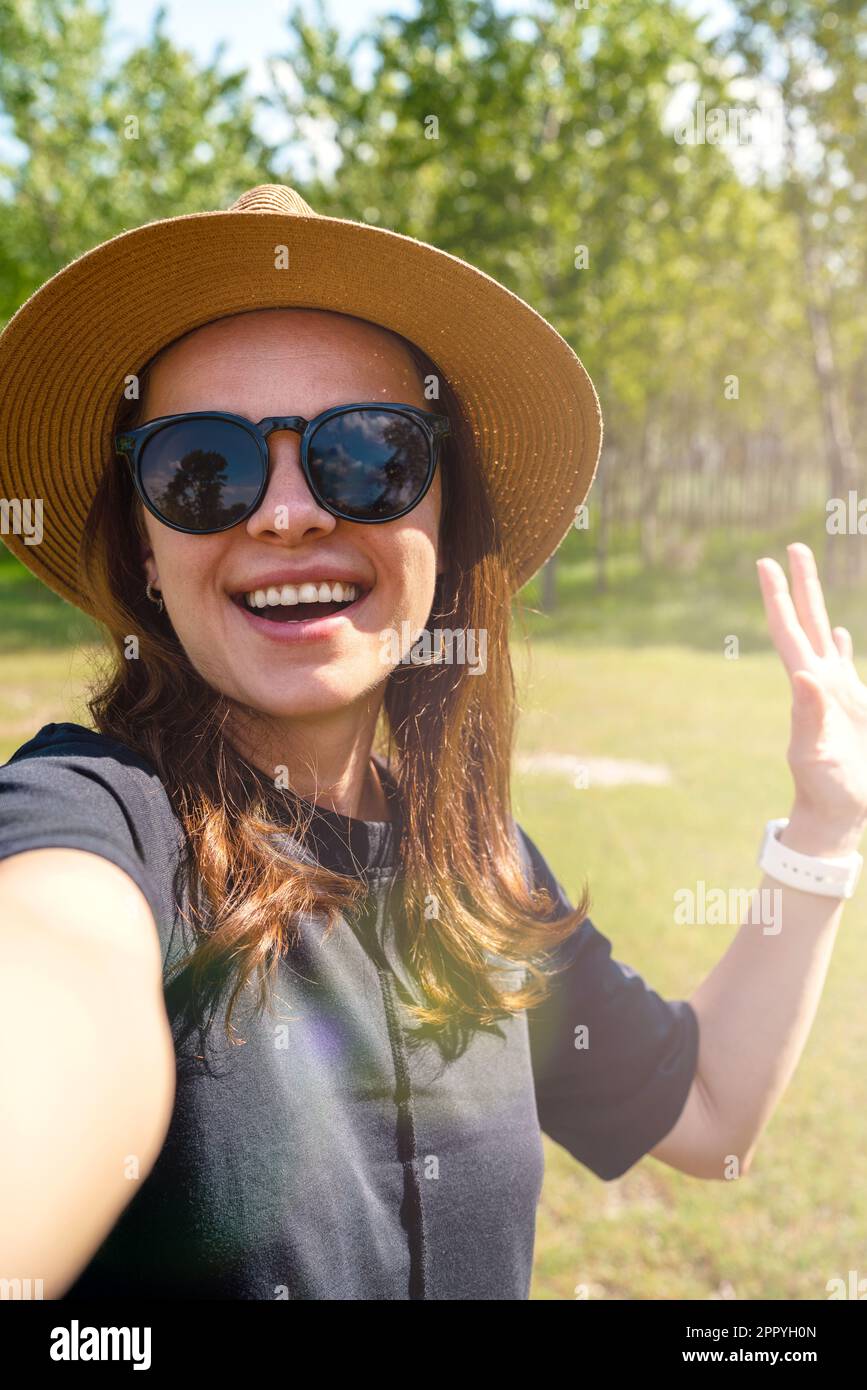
x: 150, y: 593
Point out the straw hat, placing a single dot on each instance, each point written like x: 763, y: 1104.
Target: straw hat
x: 66, y: 354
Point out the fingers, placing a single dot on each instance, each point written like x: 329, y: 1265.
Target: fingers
x: 789, y: 638
x: 843, y: 642
x: 809, y: 599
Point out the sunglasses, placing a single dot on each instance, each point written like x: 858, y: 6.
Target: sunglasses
x: 207, y: 470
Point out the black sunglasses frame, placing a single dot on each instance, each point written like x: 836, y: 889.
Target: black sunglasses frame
x: 130, y: 445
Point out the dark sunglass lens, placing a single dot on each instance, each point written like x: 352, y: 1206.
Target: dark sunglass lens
x: 203, y: 475
x: 371, y: 464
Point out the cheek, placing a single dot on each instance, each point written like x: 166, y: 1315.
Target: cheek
x: 408, y: 564
x: 187, y: 566
x: 421, y: 538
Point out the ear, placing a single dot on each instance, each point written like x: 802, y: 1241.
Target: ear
x: 150, y: 565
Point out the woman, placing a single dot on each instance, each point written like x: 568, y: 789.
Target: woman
x: 315, y: 1004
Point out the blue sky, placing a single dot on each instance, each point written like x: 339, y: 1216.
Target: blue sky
x: 253, y: 29
x: 260, y: 25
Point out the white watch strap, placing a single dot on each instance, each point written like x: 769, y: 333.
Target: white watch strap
x: 832, y: 878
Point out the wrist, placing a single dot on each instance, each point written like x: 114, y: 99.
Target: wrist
x: 808, y: 833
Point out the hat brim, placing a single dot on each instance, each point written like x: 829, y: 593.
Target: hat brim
x: 65, y: 355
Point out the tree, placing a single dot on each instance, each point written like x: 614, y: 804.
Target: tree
x: 812, y: 55
x: 107, y: 146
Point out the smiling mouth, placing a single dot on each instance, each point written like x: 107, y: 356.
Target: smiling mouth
x: 291, y: 604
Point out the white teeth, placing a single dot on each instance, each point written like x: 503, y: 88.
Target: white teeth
x: 290, y: 594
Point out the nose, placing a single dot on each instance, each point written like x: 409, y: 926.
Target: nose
x: 288, y: 510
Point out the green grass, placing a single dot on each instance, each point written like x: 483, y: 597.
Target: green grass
x: 639, y: 673
x: 46, y: 650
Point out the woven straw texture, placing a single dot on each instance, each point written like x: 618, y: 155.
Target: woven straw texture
x: 65, y: 356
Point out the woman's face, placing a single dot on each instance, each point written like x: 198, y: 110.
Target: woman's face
x: 291, y: 362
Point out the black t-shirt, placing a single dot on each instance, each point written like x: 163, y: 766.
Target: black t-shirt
x: 330, y: 1156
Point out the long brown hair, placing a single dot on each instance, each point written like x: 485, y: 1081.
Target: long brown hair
x: 448, y: 737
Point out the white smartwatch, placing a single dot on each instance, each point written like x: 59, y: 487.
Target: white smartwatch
x: 833, y: 878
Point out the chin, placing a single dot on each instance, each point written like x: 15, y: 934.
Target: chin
x: 312, y: 696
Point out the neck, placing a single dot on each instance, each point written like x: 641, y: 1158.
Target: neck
x: 326, y: 760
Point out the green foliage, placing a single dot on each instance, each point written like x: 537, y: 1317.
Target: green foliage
x: 514, y: 141
x: 106, y: 146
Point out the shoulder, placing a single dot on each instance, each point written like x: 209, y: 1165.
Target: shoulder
x: 537, y: 871
x: 71, y: 787
x: 73, y: 763
x: 102, y: 761
x: 90, y: 765
x: 75, y: 740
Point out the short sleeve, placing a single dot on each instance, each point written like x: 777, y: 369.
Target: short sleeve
x: 613, y: 1062
x: 70, y: 788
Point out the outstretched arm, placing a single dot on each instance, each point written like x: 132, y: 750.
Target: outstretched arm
x: 756, y: 1007
x: 88, y: 1080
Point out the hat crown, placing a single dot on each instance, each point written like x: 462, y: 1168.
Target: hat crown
x: 273, y: 197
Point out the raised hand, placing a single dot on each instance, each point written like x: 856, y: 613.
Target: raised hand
x: 827, y: 750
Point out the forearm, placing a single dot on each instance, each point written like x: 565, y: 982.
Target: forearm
x: 757, y: 1005
x: 87, y: 1087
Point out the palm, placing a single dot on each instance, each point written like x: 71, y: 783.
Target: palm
x: 828, y: 745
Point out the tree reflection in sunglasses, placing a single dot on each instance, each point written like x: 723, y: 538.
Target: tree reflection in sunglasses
x: 352, y: 479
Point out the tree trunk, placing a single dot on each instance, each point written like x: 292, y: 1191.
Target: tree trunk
x: 549, y: 585
x: 650, y: 463
x: 842, y: 553
x: 601, y: 488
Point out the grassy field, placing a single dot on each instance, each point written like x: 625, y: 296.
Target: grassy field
x: 638, y: 673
